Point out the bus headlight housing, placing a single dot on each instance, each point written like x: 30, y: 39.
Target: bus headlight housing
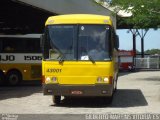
x: 99, y: 79
x: 107, y: 80
x: 54, y: 79
x: 50, y: 80
x: 47, y: 80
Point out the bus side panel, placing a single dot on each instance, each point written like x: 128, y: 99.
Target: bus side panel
x: 28, y: 71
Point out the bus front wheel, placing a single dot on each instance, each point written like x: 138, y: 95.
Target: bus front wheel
x: 14, y: 78
x: 56, y: 99
x: 107, y: 100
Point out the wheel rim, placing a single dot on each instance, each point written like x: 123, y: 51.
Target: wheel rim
x: 13, y: 79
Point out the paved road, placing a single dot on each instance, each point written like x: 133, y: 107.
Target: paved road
x: 138, y: 92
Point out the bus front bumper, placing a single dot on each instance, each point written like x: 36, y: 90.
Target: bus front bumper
x: 78, y: 90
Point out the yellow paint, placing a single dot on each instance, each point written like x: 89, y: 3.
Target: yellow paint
x: 25, y: 69
x: 79, y: 72
x: 79, y: 19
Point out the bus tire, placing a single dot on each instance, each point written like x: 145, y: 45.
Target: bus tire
x: 2, y: 78
x: 13, y: 78
x: 110, y: 99
x: 57, y: 100
x: 107, y: 100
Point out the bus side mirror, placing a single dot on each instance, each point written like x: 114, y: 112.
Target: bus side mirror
x: 117, y: 42
x: 42, y: 38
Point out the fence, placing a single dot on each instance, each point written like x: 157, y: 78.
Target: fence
x: 147, y: 63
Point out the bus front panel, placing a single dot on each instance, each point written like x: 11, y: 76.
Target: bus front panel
x: 86, y: 77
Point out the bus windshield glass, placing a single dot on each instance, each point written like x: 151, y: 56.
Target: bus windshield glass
x: 78, y: 42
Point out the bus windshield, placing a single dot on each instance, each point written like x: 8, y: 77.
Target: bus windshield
x: 78, y: 42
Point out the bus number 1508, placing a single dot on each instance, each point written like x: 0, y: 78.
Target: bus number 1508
x: 32, y: 58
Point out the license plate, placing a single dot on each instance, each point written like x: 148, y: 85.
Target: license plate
x: 76, y: 92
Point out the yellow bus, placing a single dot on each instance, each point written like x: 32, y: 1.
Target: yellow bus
x: 80, y: 56
x: 20, y: 58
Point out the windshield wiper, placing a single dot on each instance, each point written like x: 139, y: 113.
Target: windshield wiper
x: 61, y: 60
x: 91, y: 59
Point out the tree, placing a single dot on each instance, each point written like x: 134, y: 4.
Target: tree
x: 145, y: 15
x: 153, y: 51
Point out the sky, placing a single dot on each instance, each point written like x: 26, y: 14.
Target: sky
x: 151, y: 40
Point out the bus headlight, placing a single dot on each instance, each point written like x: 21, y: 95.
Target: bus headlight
x: 51, y: 80
x: 47, y: 80
x: 106, y: 79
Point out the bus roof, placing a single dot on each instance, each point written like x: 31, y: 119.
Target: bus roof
x: 79, y: 19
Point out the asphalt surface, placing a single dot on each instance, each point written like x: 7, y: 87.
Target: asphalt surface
x: 138, y: 93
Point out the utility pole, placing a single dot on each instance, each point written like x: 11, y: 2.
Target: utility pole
x: 142, y: 35
x: 134, y: 34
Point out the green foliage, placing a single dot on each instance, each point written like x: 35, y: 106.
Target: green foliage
x: 145, y: 13
x: 153, y: 51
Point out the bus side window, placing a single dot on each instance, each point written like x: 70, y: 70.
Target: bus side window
x: 32, y: 45
x: 29, y: 45
x: 115, y: 39
x: 117, y: 42
x: 8, y: 46
x: 1, y: 45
